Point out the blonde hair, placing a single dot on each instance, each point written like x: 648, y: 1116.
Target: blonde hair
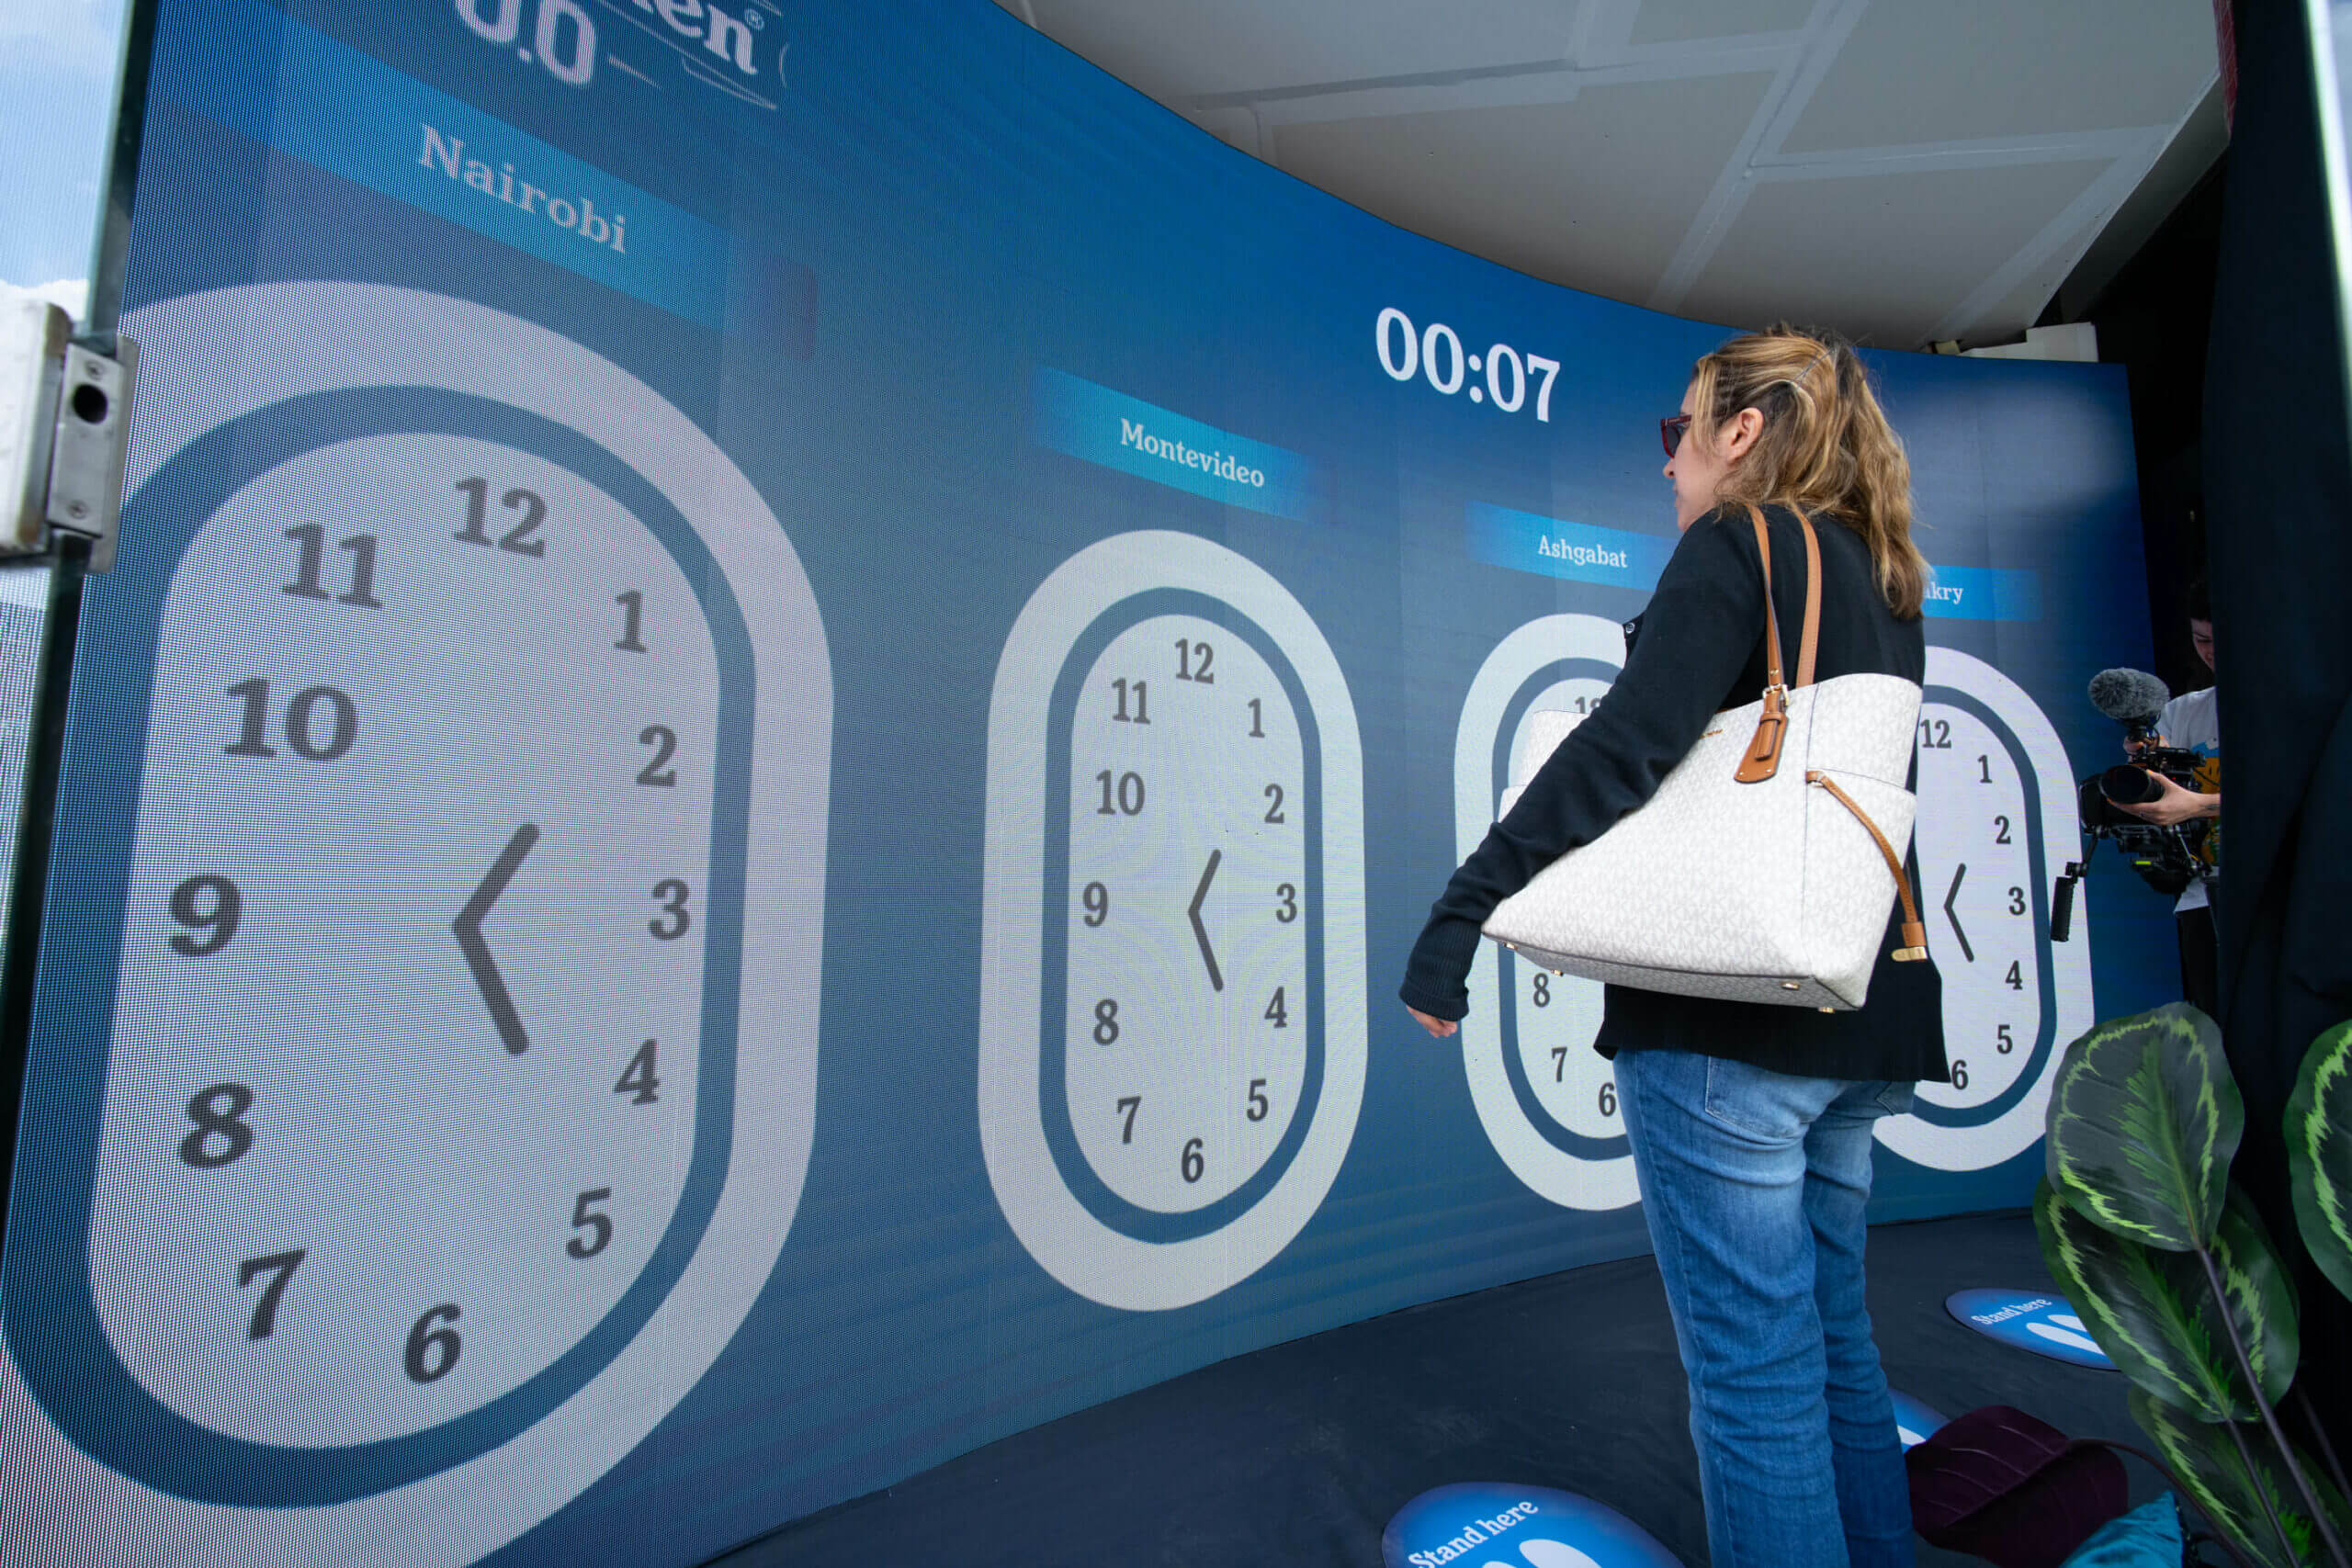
x: 1826, y: 448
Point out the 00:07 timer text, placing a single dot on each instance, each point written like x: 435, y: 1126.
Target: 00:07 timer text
x: 1405, y: 354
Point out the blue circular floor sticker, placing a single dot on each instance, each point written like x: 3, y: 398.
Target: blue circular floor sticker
x: 2043, y: 1323
x: 1915, y: 1422
x: 1492, y: 1524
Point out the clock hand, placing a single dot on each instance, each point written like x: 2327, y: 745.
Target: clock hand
x: 468, y: 926
x: 1200, y: 931
x: 1950, y: 914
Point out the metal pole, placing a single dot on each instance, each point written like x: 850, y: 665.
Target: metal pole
x: 27, y: 889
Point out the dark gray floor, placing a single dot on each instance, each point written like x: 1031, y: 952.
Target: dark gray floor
x: 1299, y: 1454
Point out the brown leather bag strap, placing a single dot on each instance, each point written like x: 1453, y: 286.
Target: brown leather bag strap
x: 1762, y: 759
x: 1772, y: 621
x: 1812, y: 601
x: 1915, y: 933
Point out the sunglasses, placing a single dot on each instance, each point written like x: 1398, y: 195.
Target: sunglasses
x: 1670, y: 430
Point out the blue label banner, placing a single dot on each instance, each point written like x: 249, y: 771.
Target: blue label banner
x: 1115, y: 431
x: 1549, y: 547
x: 1983, y: 593
x: 351, y: 115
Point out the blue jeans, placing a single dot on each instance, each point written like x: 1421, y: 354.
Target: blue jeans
x: 1754, y: 1184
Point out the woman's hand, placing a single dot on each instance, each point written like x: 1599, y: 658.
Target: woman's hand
x: 1438, y: 1027
x: 2173, y: 804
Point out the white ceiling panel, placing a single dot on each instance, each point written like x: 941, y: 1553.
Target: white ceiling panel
x: 1900, y: 170
x: 1682, y: 21
x: 1189, y: 49
x: 1879, y: 257
x: 2034, y: 67
x: 1596, y: 192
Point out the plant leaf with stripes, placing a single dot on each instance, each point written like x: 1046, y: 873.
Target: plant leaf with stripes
x: 2154, y: 1313
x: 2143, y: 1122
x: 2319, y: 1154
x: 2207, y: 1463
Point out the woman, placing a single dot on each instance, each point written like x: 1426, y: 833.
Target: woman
x: 1750, y: 1125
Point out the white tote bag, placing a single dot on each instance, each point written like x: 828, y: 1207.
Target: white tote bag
x: 1763, y: 868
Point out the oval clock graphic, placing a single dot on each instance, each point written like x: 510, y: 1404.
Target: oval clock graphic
x: 463, y: 821
x: 1997, y: 821
x: 1172, y: 992
x: 1546, y: 1099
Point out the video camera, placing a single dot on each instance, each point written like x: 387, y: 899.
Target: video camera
x: 2165, y: 856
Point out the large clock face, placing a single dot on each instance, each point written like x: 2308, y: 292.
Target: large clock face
x: 1190, y: 1027
x: 1172, y: 1016
x: 468, y: 827
x: 1548, y: 1102
x: 351, y: 897
x: 1996, y: 820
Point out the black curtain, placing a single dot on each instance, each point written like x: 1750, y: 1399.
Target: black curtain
x: 2277, y: 439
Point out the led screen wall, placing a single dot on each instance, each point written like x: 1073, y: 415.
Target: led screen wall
x: 783, y: 685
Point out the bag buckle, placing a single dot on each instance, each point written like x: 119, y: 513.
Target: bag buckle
x: 1763, y: 758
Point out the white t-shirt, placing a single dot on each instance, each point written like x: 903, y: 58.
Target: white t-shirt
x: 2192, y: 722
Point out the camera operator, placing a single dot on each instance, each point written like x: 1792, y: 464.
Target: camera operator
x: 2191, y: 722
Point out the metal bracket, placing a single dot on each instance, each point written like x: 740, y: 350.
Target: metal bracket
x: 92, y: 441
x: 64, y: 433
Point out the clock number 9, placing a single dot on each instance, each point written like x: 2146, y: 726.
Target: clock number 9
x: 218, y: 1113
x: 674, y: 892
x: 1097, y: 900
x: 214, y: 921
x: 432, y: 1351
x: 1192, y: 1164
x: 1286, y: 909
x: 253, y: 735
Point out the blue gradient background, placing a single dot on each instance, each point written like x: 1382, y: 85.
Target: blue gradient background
x: 978, y: 206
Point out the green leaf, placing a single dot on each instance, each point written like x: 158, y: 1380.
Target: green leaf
x: 2319, y: 1154
x: 2214, y: 1473
x: 2153, y: 1312
x: 2143, y: 1121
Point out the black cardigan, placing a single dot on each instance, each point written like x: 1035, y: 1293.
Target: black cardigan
x: 1699, y: 649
